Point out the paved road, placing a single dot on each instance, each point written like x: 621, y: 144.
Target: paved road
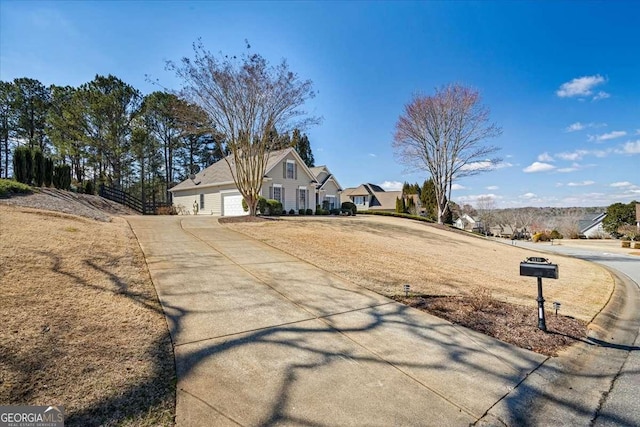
x: 621, y: 406
x: 263, y: 338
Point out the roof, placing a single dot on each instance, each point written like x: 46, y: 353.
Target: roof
x: 317, y: 170
x: 219, y: 173
x: 590, y: 221
x: 380, y: 199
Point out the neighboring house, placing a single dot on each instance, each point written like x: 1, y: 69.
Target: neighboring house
x: 591, y: 226
x: 504, y: 230
x: 468, y: 223
x: 327, y: 190
x: 287, y: 179
x: 371, y: 197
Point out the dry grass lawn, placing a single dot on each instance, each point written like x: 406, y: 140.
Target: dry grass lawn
x: 383, y: 253
x: 81, y: 323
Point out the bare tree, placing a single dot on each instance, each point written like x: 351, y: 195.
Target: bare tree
x: 246, y: 101
x: 442, y: 135
x: 486, y: 207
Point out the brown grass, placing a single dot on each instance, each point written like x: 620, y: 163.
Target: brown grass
x: 383, y: 253
x: 81, y: 323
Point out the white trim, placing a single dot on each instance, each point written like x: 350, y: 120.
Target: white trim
x: 277, y: 185
x: 303, y: 187
x: 291, y: 161
x: 232, y: 190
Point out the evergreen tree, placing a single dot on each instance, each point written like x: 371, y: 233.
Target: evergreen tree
x: 38, y: 167
x: 398, y: 205
x: 428, y: 199
x: 303, y: 147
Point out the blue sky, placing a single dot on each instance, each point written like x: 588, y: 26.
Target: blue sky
x: 561, y: 78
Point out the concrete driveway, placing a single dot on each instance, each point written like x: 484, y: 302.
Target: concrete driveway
x: 263, y: 338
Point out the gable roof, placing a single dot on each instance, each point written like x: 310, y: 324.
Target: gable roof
x: 317, y: 170
x: 380, y: 199
x: 590, y: 221
x: 219, y: 173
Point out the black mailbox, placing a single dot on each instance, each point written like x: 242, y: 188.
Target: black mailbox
x: 539, y: 267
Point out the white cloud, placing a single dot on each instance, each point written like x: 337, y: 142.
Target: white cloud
x: 485, y: 165
x: 576, y: 155
x: 474, y: 198
x: 621, y: 184
x: 458, y: 187
x: 372, y: 155
x: 601, y: 95
x: 574, y: 127
x: 567, y: 170
x: 580, y: 184
x: 580, y: 86
x: 607, y: 136
x: 545, y: 157
x: 538, y: 167
x: 528, y: 196
x: 631, y: 147
x: 392, y: 185
x: 492, y: 187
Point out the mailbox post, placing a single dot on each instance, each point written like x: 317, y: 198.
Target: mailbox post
x: 539, y: 267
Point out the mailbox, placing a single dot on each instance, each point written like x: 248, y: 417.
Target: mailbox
x: 539, y: 267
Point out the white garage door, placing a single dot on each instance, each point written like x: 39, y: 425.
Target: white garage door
x: 232, y: 205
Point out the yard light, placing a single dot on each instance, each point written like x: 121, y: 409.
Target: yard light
x: 406, y: 290
x: 556, y: 306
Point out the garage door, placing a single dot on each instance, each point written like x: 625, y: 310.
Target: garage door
x: 232, y: 205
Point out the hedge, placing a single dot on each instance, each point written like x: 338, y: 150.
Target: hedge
x: 398, y: 215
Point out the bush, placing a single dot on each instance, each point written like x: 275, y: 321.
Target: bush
x: 272, y: 208
x: 48, y: 172
x: 325, y: 205
x: 245, y: 207
x: 284, y: 212
x: 399, y: 215
x: 309, y: 211
x: 165, y: 210
x: 38, y: 168
x: 349, y: 207
x: 540, y: 237
x: 9, y: 187
x: 636, y: 245
x: 334, y: 211
x: 555, y: 234
x: 88, y: 188
x: 626, y: 244
x: 22, y: 165
x: 302, y: 211
x: 62, y: 177
x: 292, y: 212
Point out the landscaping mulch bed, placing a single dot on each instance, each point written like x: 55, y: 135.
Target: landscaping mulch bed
x: 507, y: 322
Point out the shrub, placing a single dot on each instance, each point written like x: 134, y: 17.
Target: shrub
x: 263, y: 205
x: 349, y: 207
x: 292, y: 212
x: 325, y: 205
x: 636, y: 245
x: 399, y: 215
x: 318, y: 211
x: 62, y: 177
x: 88, y: 187
x: 302, y: 211
x: 38, y: 168
x: 309, y: 211
x: 48, y: 172
x: 245, y: 207
x: 284, y: 212
x: 165, y: 210
x: 9, y: 187
x: 22, y: 165
x: 273, y: 207
x: 334, y: 211
x: 540, y: 237
x: 626, y: 244
x: 555, y: 234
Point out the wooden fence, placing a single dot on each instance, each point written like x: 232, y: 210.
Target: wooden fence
x: 126, y: 199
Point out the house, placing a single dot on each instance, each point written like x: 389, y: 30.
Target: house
x: 371, y: 197
x: 286, y: 179
x: 468, y: 223
x: 591, y: 226
x: 503, y: 230
x: 327, y: 189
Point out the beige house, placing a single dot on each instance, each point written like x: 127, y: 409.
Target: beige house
x: 371, y: 197
x: 287, y: 179
x: 327, y: 190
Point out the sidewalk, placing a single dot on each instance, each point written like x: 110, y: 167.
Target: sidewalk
x: 263, y: 338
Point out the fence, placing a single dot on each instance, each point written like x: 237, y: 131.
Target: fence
x: 126, y: 199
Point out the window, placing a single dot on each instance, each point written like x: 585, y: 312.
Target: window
x: 277, y: 193
x: 332, y: 202
x: 359, y: 200
x: 290, y: 170
x: 202, y: 201
x: 302, y: 197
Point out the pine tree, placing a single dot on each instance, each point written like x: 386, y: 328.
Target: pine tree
x: 398, y: 205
